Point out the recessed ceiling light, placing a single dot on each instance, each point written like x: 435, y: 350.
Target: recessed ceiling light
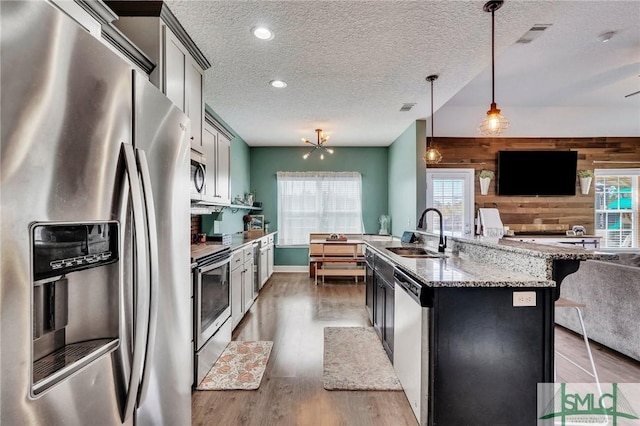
x: 263, y: 33
x: 278, y: 84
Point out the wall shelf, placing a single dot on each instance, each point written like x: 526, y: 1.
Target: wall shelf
x: 235, y: 207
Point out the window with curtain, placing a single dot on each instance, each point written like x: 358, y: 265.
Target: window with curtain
x: 616, y: 207
x: 318, y: 202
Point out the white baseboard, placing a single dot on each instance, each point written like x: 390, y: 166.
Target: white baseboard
x: 291, y: 268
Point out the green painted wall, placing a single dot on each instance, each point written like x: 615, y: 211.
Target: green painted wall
x: 371, y: 162
x: 240, y: 173
x: 407, y: 178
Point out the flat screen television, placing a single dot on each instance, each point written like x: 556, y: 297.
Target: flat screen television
x: 537, y: 173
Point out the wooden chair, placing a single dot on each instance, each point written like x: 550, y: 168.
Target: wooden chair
x: 349, y: 257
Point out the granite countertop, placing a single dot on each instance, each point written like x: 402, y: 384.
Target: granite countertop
x: 551, y: 236
x: 455, y: 271
x: 554, y: 252
x: 238, y: 240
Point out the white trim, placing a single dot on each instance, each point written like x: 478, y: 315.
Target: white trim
x: 465, y: 174
x: 291, y: 268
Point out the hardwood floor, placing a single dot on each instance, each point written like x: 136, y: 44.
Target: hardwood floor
x: 292, y: 312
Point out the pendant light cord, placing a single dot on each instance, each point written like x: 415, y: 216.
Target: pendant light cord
x: 432, y: 110
x: 432, y: 156
x: 493, y: 65
x: 430, y: 79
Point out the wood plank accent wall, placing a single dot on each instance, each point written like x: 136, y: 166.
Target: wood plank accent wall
x: 550, y: 213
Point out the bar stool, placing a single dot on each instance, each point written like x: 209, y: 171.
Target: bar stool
x: 566, y: 303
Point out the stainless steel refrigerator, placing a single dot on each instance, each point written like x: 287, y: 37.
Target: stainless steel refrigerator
x: 95, y: 265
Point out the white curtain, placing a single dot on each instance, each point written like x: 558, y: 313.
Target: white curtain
x: 318, y: 202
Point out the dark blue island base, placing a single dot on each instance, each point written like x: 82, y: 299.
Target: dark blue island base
x: 488, y: 356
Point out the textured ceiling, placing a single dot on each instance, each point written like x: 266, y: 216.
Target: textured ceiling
x: 351, y: 65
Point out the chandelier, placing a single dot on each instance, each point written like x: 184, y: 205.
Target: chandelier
x: 319, y: 144
x: 494, y: 123
x: 432, y: 155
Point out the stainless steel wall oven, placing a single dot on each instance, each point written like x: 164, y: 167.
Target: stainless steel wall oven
x: 211, y: 309
x: 211, y: 295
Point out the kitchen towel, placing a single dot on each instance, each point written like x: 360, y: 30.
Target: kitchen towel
x: 490, y: 223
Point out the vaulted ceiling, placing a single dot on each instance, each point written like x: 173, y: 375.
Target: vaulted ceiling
x: 351, y: 65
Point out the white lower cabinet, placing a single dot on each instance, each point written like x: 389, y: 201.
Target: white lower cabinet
x: 247, y: 279
x: 266, y: 258
x: 237, y: 307
x: 264, y: 262
x: 270, y: 257
x: 241, y: 283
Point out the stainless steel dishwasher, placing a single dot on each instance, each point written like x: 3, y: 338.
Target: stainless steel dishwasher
x: 411, y: 341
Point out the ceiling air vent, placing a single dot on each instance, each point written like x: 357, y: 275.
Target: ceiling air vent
x: 533, y: 33
x: 406, y: 107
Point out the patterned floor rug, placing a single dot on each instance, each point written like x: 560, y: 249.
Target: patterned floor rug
x: 240, y: 367
x: 355, y: 360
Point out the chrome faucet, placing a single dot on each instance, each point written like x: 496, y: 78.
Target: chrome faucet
x: 442, y: 244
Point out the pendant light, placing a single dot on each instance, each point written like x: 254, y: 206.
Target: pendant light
x: 432, y: 156
x: 494, y: 123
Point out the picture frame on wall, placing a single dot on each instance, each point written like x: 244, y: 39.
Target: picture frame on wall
x: 257, y: 222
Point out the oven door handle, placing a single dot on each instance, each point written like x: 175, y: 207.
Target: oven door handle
x: 207, y: 268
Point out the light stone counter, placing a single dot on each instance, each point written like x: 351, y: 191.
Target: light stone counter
x: 455, y: 271
x: 489, y: 262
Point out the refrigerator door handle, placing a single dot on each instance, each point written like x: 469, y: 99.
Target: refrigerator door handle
x: 152, y: 234
x: 141, y: 279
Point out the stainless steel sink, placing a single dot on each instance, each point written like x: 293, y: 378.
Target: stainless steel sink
x: 414, y: 252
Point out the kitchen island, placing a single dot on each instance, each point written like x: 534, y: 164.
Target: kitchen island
x: 487, y: 326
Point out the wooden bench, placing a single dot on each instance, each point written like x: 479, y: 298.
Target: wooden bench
x: 336, y: 258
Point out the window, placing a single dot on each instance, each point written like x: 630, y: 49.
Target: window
x: 616, y: 207
x: 322, y: 202
x: 451, y: 192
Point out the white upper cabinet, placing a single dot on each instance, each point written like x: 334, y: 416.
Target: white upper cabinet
x: 194, y: 104
x: 217, y: 150
x: 180, y: 65
x: 223, y: 169
x: 175, y: 62
x: 98, y: 19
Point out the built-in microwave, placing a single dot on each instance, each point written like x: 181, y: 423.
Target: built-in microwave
x: 198, y: 183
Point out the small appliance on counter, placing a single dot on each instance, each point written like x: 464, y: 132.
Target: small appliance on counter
x: 408, y: 237
x: 225, y: 239
x: 578, y: 230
